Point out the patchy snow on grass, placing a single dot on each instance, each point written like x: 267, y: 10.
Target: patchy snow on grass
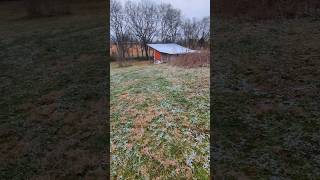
x: 159, y: 122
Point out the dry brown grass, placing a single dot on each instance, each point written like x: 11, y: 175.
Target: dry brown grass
x: 192, y: 60
x: 128, y: 63
x: 133, y: 51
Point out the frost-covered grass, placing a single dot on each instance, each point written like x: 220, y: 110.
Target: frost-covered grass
x: 159, y: 122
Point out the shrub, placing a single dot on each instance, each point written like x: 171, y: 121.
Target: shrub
x: 192, y: 60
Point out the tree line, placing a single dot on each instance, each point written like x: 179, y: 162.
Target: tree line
x: 146, y: 21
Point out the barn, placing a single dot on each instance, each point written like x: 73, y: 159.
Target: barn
x: 166, y: 52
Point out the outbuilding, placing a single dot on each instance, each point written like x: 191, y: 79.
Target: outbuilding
x: 166, y: 52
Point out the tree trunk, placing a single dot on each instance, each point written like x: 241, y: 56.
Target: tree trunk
x: 142, y: 53
x: 129, y: 53
x: 137, y: 50
x: 146, y: 49
x: 122, y: 54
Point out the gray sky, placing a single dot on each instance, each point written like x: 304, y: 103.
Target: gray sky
x: 189, y: 8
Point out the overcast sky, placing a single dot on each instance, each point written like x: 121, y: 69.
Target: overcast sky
x: 189, y: 8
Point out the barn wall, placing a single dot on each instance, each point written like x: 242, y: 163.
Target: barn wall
x: 157, y: 55
x: 162, y: 57
x: 168, y: 57
x: 173, y: 57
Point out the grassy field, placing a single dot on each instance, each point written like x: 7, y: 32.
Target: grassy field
x: 266, y: 79
x: 53, y: 73
x: 159, y: 122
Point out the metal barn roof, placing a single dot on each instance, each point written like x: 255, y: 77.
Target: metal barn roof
x: 170, y: 48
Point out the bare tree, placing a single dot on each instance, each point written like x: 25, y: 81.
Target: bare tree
x: 119, y: 30
x: 191, y: 31
x: 170, y: 20
x: 204, y: 28
x: 143, y: 21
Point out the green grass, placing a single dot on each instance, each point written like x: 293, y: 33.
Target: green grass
x: 159, y: 122
x: 266, y: 100
x: 53, y: 86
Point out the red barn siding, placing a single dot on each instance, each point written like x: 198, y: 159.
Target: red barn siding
x: 157, y: 55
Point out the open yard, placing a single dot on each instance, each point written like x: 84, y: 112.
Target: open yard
x: 53, y: 74
x: 266, y: 80
x: 159, y: 122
